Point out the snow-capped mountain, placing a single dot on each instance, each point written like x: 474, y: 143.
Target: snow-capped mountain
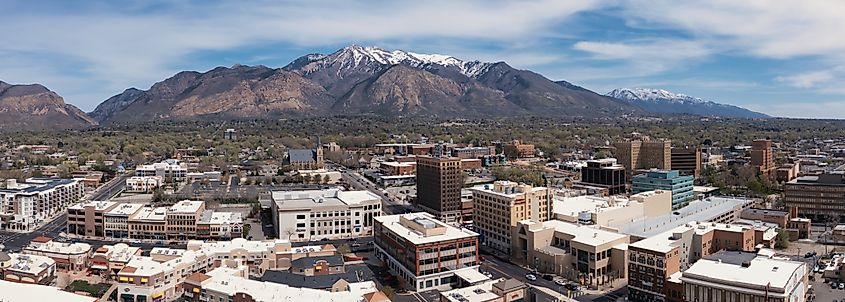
x: 663, y: 101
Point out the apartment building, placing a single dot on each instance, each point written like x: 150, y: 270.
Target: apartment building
x: 182, y: 219
x: 588, y: 255
x: 517, y: 149
x: 117, y: 220
x: 762, y: 157
x: 666, y: 180
x: 219, y: 225
x: 26, y: 205
x: 170, y: 170
x: 687, y: 160
x: 498, y: 207
x: 68, y: 256
x: 439, y: 182
x: 424, y: 251
x: 88, y: 218
x: 148, y: 223
x: 143, y: 184
x: 732, y: 276
x: 108, y: 260
x: 817, y: 197
x: 25, y: 268
x: 655, y: 263
x: 318, y: 214
x: 605, y: 173
x: 644, y: 154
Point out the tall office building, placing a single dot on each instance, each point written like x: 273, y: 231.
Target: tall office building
x: 644, y: 154
x: 761, y: 156
x: 687, y: 160
x: 680, y: 186
x: 605, y: 173
x: 439, y: 187
x: 498, y: 207
x: 820, y: 197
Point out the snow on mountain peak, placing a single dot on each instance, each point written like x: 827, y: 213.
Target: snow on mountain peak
x: 355, y: 55
x: 652, y: 95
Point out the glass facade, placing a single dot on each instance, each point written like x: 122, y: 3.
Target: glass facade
x: 672, y: 180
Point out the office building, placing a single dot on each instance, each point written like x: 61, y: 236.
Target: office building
x: 672, y: 181
x: 116, y: 220
x: 473, y: 152
x: 612, y: 211
x: 588, y: 255
x: 170, y: 170
x: 605, y: 173
x: 398, y: 168
x: 498, y: 207
x: 644, y: 154
x: 220, y: 226
x: 143, y: 184
x: 26, y: 205
x: 516, y: 149
x: 87, y: 219
x: 731, y: 276
x: 712, y: 209
x: 68, y: 256
x: 439, y: 182
x: 788, y: 172
x: 324, y: 214
x: 181, y: 219
x: 423, y: 251
x: 762, y: 157
x: 148, y: 224
x: 821, y: 197
x: 687, y: 161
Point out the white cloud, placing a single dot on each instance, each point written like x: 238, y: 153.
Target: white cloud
x: 642, y: 57
x: 802, y: 109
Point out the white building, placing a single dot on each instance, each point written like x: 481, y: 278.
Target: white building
x: 317, y: 214
x: 71, y: 256
x: 30, y: 269
x: 33, y: 292
x: 731, y: 276
x: 220, y: 225
x: 144, y: 183
x: 171, y: 170
x: 24, y: 206
x: 117, y: 220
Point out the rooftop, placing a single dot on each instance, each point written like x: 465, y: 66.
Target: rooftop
x: 226, y: 283
x: 665, y: 241
x: 743, y: 271
x: 35, y: 185
x: 29, y: 264
x: 698, y: 210
x: 251, y: 246
x: 59, y: 247
x: 391, y: 222
x: 151, y: 214
x: 476, y: 293
x: 98, y: 205
x: 125, y: 209
x: 187, y: 206
x: 33, y: 292
x: 212, y: 217
x: 308, y: 262
x: 318, y: 281
x: 506, y: 188
x: 312, y: 198
x: 584, y: 234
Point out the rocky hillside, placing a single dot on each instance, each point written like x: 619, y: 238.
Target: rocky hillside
x: 34, y: 107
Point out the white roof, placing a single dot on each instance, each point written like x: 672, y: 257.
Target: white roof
x: 221, y: 218
x: 186, y: 206
x: 60, y: 247
x: 224, y: 281
x: 98, y: 205
x: 391, y: 222
x: 125, y: 209
x: 476, y: 293
x: 489, y: 189
x: 30, y: 264
x: 150, y: 214
x: 471, y: 275
x: 760, y: 273
x: 315, y: 198
x: 584, y: 234
x: 398, y: 164
x: 33, y: 292
x: 698, y: 210
x: 586, y: 203
x: 251, y: 246
x: 120, y: 252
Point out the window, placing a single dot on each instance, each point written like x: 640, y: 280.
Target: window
x: 302, y: 216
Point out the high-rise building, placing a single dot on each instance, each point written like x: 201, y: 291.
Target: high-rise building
x: 439, y: 182
x: 819, y: 197
x: 605, y: 173
x: 687, y: 160
x: 761, y: 156
x: 498, y: 207
x: 672, y: 180
x: 644, y: 154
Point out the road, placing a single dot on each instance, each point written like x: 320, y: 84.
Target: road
x: 110, y: 189
x: 389, y: 205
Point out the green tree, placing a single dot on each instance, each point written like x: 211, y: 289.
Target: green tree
x: 344, y: 249
x: 782, y: 239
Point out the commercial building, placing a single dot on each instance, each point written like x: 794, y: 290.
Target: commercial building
x: 25, y: 268
x: 605, y: 173
x: 788, y: 172
x: 423, y: 251
x: 68, y: 256
x: 501, y: 290
x: 108, y: 260
x: 398, y: 168
x: 498, y: 207
x: 473, y: 152
x: 819, y: 197
x: 687, y: 160
x: 148, y: 224
x: 712, y: 209
x: 731, y: 276
x: 305, y: 159
x: 588, y: 255
x: 143, y: 184
x: 24, y: 206
x: 516, y: 149
x: 117, y: 220
x: 644, y: 154
x: 680, y: 186
x: 219, y: 225
x: 612, y: 211
x: 439, y: 182
x: 87, y: 219
x: 762, y: 157
x: 36, y: 292
x: 182, y: 219
x: 170, y: 170
x: 318, y: 214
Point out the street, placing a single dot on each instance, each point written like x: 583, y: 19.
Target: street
x: 358, y: 182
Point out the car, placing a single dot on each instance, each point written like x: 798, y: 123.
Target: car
x: 841, y: 285
x: 488, y: 275
x: 571, y: 286
x: 560, y: 282
x: 549, y: 277
x: 531, y: 277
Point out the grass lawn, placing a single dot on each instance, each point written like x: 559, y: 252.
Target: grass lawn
x: 96, y: 290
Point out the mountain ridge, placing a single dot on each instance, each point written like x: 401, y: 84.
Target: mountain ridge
x: 664, y: 101
x: 35, y: 107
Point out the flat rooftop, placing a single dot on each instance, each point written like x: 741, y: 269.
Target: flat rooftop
x: 251, y: 246
x: 60, y: 247
x: 698, y: 210
x: 151, y: 214
x: 314, y: 198
x: 125, y: 209
x: 583, y: 234
x: 726, y: 269
x: 212, y: 217
x: 510, y: 189
x: 98, y: 205
x: 477, y: 293
x: 224, y: 281
x: 186, y: 206
x: 587, y: 203
x: 37, y: 185
x: 391, y: 222
x: 29, y: 264
x: 34, y: 292
x: 663, y: 242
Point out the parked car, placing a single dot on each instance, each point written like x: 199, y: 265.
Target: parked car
x: 560, y: 282
x: 549, y: 277
x: 531, y: 277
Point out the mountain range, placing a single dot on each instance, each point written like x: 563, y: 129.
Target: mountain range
x: 354, y: 80
x: 662, y: 101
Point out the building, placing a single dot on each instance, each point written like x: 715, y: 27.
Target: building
x: 68, y: 256
x: 672, y: 181
x: 605, y: 173
x: 34, y: 292
x: 143, y: 184
x: 498, y: 207
x: 305, y: 159
x: 501, y: 290
x: 108, y: 260
x: 713, y: 209
x: 817, y: 197
x: 687, y: 160
x: 731, y: 276
x: 116, y: 221
x: 612, y: 211
x: 781, y: 218
x: 762, y: 157
x: 467, y: 208
x: 590, y: 256
x: 26, y: 205
x: 87, y: 219
x: 230, y: 134
x: 516, y: 149
x: 439, y: 182
x: 324, y: 214
x: 473, y: 152
x: 655, y: 263
x: 181, y: 219
x: 25, y: 268
x: 148, y: 224
x: 644, y: 154
x: 220, y: 226
x: 471, y: 164
x: 170, y: 170
x: 422, y: 251
x: 398, y: 168
x: 321, y: 176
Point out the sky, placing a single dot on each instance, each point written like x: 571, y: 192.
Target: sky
x: 784, y: 58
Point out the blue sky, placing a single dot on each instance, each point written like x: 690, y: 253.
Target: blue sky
x: 784, y: 58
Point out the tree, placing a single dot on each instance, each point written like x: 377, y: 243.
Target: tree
x: 344, y: 249
x: 247, y: 227
x: 389, y: 292
x: 306, y: 178
x: 782, y: 239
x: 326, y: 179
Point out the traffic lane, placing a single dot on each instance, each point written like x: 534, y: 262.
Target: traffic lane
x: 510, y: 270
